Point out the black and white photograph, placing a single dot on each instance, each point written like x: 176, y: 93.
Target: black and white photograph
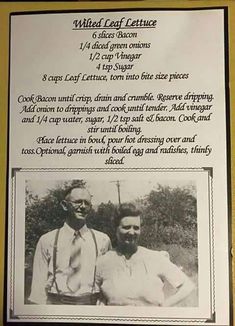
x: 120, y: 242
x: 97, y: 243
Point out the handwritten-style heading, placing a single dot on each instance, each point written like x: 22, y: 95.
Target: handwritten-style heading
x: 123, y: 23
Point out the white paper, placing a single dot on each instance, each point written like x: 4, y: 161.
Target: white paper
x: 137, y: 97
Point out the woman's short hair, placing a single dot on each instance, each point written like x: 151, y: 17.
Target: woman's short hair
x: 124, y: 210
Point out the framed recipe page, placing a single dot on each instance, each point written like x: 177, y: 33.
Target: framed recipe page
x: 118, y: 163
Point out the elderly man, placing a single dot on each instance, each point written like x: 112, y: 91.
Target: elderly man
x: 65, y: 258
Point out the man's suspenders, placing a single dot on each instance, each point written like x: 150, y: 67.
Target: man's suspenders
x: 55, y: 258
x: 96, y: 255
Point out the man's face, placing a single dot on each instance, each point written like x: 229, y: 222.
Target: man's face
x: 79, y: 203
x: 128, y: 232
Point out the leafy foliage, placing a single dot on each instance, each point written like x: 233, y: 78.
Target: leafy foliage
x: 170, y: 217
x: 102, y: 219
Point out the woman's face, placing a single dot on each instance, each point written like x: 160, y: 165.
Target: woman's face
x: 128, y: 231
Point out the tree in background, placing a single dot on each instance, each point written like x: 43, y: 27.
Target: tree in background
x: 170, y: 223
x: 102, y: 219
x: 170, y: 217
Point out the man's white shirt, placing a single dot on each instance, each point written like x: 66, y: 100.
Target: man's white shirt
x: 43, y: 262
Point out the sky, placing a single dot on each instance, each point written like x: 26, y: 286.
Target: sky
x: 106, y: 189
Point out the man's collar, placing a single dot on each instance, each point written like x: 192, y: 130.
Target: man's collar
x: 83, y: 230
x: 71, y: 231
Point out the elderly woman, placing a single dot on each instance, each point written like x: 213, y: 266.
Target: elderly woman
x: 134, y: 275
